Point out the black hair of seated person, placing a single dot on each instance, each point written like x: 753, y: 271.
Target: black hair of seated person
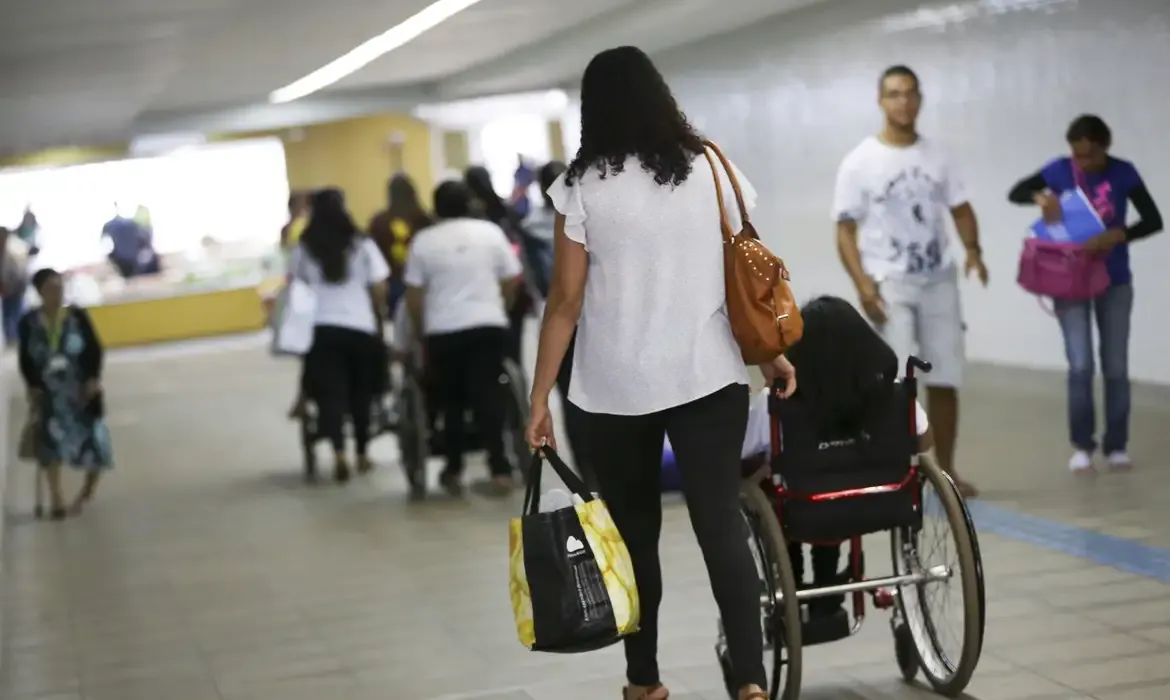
x: 453, y: 200
x: 549, y: 172
x: 1091, y: 128
x: 627, y: 109
x: 479, y: 182
x: 330, y: 234
x: 845, y: 371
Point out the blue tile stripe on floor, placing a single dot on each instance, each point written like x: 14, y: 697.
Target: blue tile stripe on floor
x: 1119, y: 553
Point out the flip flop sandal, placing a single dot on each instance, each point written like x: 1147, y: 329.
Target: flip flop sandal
x: 647, y: 693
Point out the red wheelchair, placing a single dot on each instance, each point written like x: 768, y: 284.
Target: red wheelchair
x: 835, y: 493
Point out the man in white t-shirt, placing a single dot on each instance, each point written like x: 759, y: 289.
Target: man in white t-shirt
x: 459, y: 275
x: 893, y: 196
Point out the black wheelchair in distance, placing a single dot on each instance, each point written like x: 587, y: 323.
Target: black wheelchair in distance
x: 382, y: 420
x: 406, y: 410
x: 832, y: 493
x: 419, y: 427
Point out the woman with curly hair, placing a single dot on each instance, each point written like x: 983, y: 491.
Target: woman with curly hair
x: 639, y: 272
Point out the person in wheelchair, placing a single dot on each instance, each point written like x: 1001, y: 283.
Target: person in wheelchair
x: 460, y: 275
x: 847, y: 377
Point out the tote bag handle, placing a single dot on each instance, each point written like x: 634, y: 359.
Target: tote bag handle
x: 571, y: 480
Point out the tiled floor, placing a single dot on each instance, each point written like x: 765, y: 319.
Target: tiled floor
x: 206, y: 571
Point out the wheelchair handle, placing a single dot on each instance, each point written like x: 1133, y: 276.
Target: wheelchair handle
x: 917, y: 363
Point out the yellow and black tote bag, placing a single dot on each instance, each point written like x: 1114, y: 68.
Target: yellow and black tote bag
x: 572, y: 582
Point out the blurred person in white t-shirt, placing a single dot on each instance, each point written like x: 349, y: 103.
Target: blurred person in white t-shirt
x: 460, y: 275
x: 343, y: 368
x: 894, y: 194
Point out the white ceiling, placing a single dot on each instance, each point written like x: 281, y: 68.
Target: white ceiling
x: 87, y: 71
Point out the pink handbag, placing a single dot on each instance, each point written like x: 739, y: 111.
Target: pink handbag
x: 1065, y: 271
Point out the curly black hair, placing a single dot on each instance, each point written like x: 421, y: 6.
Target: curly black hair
x: 627, y: 109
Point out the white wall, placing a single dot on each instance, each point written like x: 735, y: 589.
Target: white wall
x: 789, y: 97
x: 498, y: 128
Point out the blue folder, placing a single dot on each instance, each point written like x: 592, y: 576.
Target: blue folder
x: 1080, y: 220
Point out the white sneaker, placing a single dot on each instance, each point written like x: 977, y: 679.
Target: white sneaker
x: 1081, y: 461
x: 1119, y: 460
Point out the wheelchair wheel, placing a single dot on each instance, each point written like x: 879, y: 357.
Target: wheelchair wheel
x: 413, y: 437
x: 779, y: 607
x: 515, y: 416
x: 905, y: 652
x: 945, y: 541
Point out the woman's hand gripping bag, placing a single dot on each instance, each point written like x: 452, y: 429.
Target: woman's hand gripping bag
x: 571, y: 579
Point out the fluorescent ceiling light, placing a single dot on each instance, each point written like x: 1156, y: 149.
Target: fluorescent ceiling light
x: 410, y: 29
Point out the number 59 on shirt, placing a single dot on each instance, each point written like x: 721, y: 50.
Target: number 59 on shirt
x: 917, y: 258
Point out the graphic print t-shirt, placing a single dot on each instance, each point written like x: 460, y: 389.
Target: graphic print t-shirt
x: 901, y: 199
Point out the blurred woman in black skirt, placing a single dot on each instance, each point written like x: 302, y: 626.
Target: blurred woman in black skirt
x: 342, y: 371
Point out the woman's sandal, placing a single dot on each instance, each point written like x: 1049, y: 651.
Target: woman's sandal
x: 654, y: 692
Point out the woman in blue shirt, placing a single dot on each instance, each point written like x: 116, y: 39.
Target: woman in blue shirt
x: 1111, y: 184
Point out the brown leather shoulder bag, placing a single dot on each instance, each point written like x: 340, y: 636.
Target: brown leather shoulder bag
x: 765, y: 317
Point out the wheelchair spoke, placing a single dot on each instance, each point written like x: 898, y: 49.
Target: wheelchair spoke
x: 942, y: 612
x: 942, y: 600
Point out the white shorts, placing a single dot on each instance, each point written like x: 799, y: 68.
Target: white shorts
x: 926, y: 319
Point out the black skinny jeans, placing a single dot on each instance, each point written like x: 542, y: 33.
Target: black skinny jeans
x: 467, y: 366
x: 573, y: 418
x: 707, y: 437
x: 342, y: 375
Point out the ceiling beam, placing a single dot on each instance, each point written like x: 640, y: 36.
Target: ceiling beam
x: 324, y: 107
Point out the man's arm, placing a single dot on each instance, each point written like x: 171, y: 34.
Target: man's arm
x: 968, y: 227
x: 966, y: 224
x: 850, y: 254
x: 849, y: 207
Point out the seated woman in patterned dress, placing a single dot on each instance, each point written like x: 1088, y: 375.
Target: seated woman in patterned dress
x: 61, y: 362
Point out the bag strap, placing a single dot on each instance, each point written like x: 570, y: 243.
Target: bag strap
x: 571, y: 480
x: 1078, y: 176
x: 725, y: 225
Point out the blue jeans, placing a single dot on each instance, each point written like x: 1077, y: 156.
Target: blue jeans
x: 1112, y: 311
x: 12, y: 309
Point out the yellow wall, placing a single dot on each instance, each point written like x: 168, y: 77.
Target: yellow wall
x: 179, y: 318
x: 357, y: 156
x: 70, y: 155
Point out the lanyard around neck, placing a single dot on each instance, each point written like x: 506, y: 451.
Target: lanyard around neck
x: 53, y: 328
